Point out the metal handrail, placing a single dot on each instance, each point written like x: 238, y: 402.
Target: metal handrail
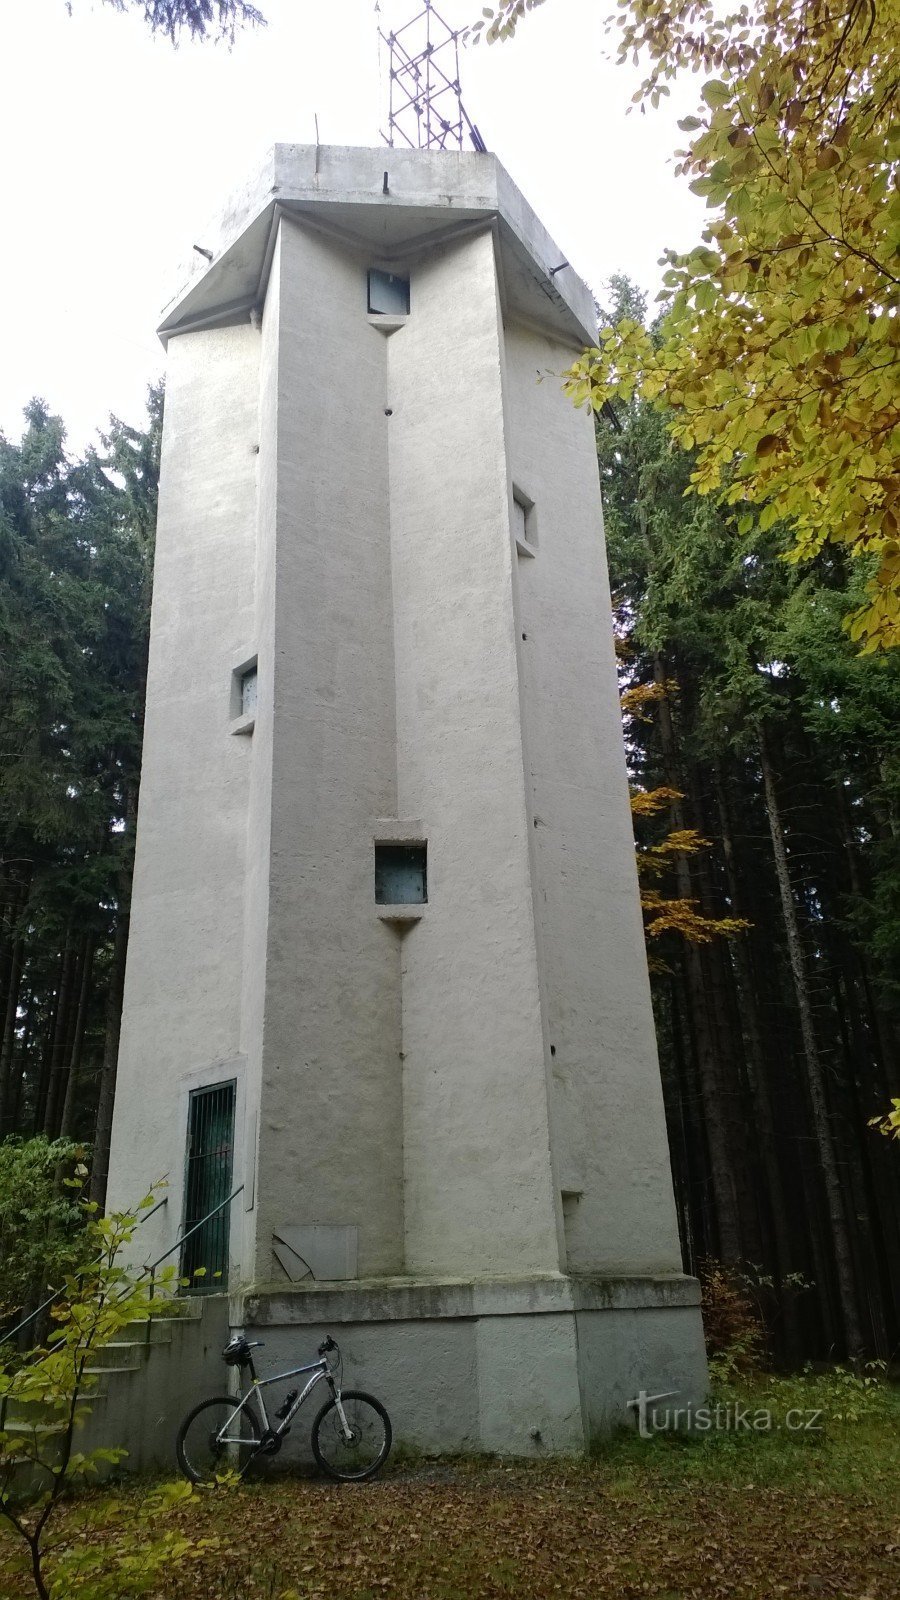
x: 151, y: 1269
x: 153, y: 1210
x: 197, y: 1225
x: 148, y: 1269
x: 55, y: 1294
x: 31, y: 1316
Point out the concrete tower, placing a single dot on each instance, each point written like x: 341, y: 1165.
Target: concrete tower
x: 386, y: 967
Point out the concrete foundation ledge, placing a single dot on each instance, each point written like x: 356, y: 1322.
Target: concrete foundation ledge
x: 518, y: 1366
x: 399, y: 1299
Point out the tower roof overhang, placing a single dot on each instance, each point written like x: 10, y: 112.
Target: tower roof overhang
x: 392, y: 205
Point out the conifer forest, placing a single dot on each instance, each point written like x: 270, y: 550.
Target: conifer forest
x: 76, y: 553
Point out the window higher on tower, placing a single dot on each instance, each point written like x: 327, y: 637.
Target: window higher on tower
x: 388, y: 294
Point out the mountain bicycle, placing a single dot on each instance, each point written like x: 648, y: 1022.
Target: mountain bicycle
x: 351, y: 1436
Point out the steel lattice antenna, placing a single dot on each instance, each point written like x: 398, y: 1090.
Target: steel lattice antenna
x: 425, y: 109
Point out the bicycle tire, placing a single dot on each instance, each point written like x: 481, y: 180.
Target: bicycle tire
x: 326, y: 1448
x: 193, y: 1469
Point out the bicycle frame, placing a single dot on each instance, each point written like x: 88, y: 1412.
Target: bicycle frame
x: 320, y: 1369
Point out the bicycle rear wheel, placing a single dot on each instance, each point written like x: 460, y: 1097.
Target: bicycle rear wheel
x: 213, y: 1441
x: 352, y: 1460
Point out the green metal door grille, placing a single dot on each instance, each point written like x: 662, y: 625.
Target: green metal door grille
x: 204, y: 1259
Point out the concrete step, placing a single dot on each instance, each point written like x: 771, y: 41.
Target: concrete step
x: 45, y: 1429
x: 188, y: 1307
x: 31, y: 1411
x: 168, y: 1315
x: 120, y: 1369
x: 155, y: 1330
x: 122, y: 1355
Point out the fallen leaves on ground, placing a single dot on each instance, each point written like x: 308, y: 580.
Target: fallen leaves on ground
x: 664, y: 1520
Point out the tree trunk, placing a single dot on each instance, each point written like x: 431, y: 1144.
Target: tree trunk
x: 60, y: 1035
x: 42, y: 1086
x: 8, y: 1039
x: 107, y: 1094
x: 727, y: 1038
x: 722, y: 1172
x: 815, y: 1077
x: 886, y: 1052
x: 759, y: 1087
x: 68, y: 1110
x: 697, y: 1221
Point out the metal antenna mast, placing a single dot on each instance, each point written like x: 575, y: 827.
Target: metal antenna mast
x: 425, y: 108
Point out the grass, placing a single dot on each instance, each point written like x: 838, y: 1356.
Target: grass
x: 749, y: 1515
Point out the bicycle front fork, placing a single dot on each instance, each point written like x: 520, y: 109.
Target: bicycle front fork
x: 345, y: 1426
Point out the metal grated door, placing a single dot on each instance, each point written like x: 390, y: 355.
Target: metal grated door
x: 207, y: 1184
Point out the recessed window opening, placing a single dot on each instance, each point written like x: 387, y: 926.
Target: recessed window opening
x: 210, y: 1154
x: 248, y: 692
x: 401, y: 875
x: 243, y: 696
x: 524, y: 523
x: 388, y: 294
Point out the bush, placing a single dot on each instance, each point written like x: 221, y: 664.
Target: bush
x: 44, y: 1398
x: 735, y: 1338
x: 43, y: 1237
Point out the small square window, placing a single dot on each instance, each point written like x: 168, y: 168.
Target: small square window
x: 400, y: 875
x: 388, y: 294
x: 248, y: 692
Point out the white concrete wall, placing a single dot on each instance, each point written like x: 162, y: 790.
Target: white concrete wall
x: 182, y: 1010
x: 339, y: 502
x: 330, y: 1139
x: 608, y: 1118
x: 479, y: 1191
x: 259, y: 800
x: 529, y: 1367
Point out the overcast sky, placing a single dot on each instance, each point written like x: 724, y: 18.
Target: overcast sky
x: 117, y: 147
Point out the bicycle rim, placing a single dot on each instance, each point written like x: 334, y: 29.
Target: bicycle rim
x: 211, y: 1445
x: 366, y: 1450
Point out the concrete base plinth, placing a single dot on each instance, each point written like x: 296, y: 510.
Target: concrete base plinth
x: 527, y: 1367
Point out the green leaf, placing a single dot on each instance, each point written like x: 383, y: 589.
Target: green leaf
x: 716, y: 92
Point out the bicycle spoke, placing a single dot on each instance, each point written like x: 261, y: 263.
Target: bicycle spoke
x: 213, y: 1442
x: 366, y: 1448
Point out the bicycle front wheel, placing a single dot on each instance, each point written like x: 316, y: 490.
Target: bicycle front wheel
x: 212, y: 1441
x: 359, y: 1457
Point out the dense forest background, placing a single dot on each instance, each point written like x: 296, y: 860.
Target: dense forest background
x: 76, y: 553
x: 764, y: 756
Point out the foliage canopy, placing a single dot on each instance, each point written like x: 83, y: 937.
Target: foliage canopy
x: 780, y: 358
x: 199, y: 19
